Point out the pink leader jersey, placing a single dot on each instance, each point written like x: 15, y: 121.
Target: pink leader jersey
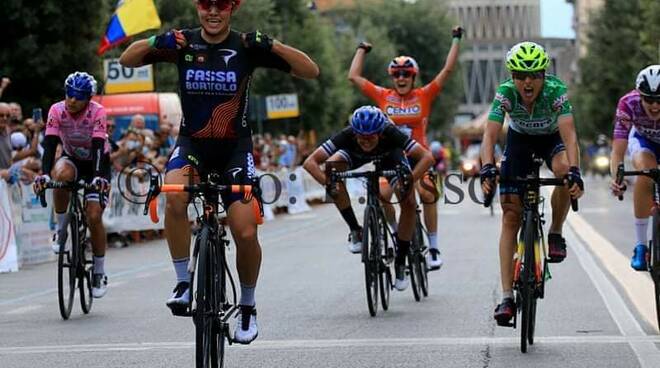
x: 76, y: 133
x: 630, y: 114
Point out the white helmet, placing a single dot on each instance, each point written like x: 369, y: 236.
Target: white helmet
x: 648, y: 81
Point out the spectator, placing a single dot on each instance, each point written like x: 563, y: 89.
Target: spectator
x: 165, y: 138
x: 138, y: 123
x: 4, y: 83
x: 5, y: 143
x: 16, y: 113
x: 30, y: 131
x: 288, y: 154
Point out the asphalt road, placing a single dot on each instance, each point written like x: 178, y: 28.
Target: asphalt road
x: 313, y: 313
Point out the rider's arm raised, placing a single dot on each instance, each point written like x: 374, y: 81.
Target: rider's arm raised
x: 452, y: 58
x: 302, y: 66
x: 569, y: 137
x: 355, y: 72
x: 145, y: 51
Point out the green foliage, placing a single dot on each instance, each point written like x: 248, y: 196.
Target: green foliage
x: 45, y: 47
x: 623, y: 39
x: 42, y: 43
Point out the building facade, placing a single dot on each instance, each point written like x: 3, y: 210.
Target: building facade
x: 582, y: 14
x: 492, y: 28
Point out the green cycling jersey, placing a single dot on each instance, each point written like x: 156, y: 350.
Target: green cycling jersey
x: 551, y: 103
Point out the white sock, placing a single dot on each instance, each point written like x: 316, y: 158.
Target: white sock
x: 433, y: 240
x: 507, y: 294
x: 181, y: 269
x: 641, y: 230
x: 247, y: 295
x: 99, y: 265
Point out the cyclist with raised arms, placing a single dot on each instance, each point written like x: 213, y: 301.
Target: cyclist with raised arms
x: 215, y: 65
x: 542, y: 125
x: 79, y: 125
x: 409, y: 108
x: 636, y: 129
x: 371, y: 135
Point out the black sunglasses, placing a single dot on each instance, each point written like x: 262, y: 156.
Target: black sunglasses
x: 651, y: 99
x: 524, y: 75
x: 401, y: 73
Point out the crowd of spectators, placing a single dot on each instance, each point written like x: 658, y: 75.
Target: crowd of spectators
x: 288, y: 152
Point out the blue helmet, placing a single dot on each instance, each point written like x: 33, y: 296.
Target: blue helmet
x: 80, y: 85
x: 368, y: 120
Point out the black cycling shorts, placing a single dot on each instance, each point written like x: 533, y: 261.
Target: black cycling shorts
x: 517, y: 157
x: 232, y: 159
x: 85, y: 171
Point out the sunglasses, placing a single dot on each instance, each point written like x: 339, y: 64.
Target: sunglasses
x: 4, y: 116
x: 401, y: 74
x: 651, y: 100
x: 367, y: 136
x: 524, y: 75
x: 220, y: 4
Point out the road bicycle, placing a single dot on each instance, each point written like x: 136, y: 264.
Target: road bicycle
x: 214, y: 301
x: 74, y: 260
x: 531, y: 269
x: 377, y: 238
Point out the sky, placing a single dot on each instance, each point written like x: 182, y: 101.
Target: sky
x: 557, y: 19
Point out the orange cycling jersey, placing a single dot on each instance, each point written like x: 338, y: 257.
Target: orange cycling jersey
x: 410, y: 112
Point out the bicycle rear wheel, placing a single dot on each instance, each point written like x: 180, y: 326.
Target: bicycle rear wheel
x: 527, y: 282
x: 371, y: 258
x: 66, y: 271
x: 207, y: 342
x: 85, y: 271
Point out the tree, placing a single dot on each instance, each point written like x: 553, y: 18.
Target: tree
x: 42, y: 44
x: 621, y: 43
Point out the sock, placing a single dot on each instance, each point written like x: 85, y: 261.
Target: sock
x: 507, y: 294
x: 181, y: 268
x: 99, y: 265
x: 247, y: 295
x: 62, y: 221
x: 402, y: 248
x: 641, y: 230
x: 349, y: 217
x: 433, y: 240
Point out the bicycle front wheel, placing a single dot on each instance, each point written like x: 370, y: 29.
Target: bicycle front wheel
x: 421, y: 256
x: 371, y: 258
x: 527, y: 284
x: 85, y: 271
x: 207, y: 331
x: 385, y: 269
x: 66, y: 271
x: 414, y: 264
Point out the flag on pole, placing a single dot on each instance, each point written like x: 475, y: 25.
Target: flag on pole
x: 130, y: 18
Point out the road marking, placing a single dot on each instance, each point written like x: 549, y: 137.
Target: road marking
x: 25, y: 309
x: 637, y: 285
x: 332, y: 343
x: 645, y: 350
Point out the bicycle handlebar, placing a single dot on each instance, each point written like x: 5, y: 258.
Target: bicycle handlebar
x: 541, y: 182
x: 155, y: 188
x: 73, y: 186
x: 654, y: 174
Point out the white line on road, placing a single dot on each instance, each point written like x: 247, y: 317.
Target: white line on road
x: 25, y: 309
x: 646, y: 351
x: 637, y: 285
x: 330, y: 343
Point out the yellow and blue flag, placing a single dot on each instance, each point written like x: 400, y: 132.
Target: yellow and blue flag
x: 130, y: 18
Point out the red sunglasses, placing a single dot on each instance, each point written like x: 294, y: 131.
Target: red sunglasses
x: 401, y: 74
x: 220, y: 4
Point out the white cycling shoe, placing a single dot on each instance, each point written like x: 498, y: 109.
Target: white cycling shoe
x: 433, y: 260
x: 355, y: 242
x: 99, y: 285
x: 246, y: 325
